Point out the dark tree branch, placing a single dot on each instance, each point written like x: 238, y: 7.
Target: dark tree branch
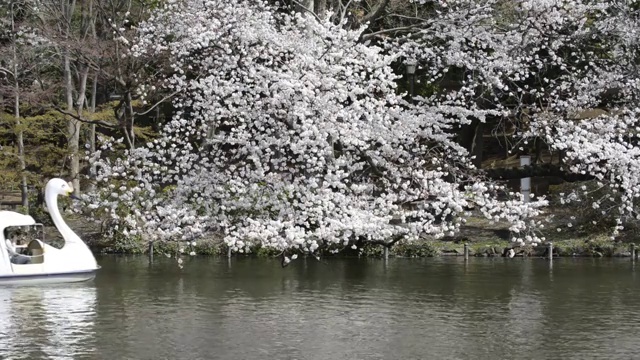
x: 384, y: 31
x: 156, y: 104
x: 310, y: 11
x: 376, y: 12
x: 385, y: 243
x: 535, y: 171
x: 369, y: 161
x: 81, y: 119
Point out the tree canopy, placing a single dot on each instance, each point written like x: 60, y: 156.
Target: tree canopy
x: 289, y: 125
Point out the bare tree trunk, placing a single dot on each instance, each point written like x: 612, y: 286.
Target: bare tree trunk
x: 305, y: 5
x: 19, y: 132
x: 94, y: 94
x: 67, y: 9
x: 478, y: 145
x: 82, y: 98
x: 320, y: 7
x: 129, y: 118
x: 92, y: 133
x: 73, y: 127
x: 24, y: 190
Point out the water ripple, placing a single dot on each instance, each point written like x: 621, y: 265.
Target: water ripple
x: 47, y: 322
x: 342, y: 309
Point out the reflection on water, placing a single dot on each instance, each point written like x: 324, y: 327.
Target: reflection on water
x: 53, y: 321
x: 335, y: 309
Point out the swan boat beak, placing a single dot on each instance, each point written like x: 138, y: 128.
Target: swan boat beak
x: 73, y: 196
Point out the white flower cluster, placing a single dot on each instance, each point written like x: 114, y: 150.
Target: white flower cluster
x: 562, y: 72
x: 290, y: 133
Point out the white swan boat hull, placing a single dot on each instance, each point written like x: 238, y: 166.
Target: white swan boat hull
x: 38, y: 279
x: 48, y: 265
x: 72, y: 263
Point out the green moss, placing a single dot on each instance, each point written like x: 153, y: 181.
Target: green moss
x: 423, y: 249
x: 210, y: 248
x: 591, y: 246
x: 487, y: 246
x: 263, y: 252
x: 126, y: 245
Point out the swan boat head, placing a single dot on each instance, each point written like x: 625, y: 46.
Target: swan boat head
x: 59, y: 187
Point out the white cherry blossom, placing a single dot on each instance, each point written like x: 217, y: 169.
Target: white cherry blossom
x: 289, y: 132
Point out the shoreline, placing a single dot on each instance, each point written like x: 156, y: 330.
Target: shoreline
x: 579, y: 247
x: 484, y: 239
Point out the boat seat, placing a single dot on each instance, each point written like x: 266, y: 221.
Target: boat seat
x: 36, y: 251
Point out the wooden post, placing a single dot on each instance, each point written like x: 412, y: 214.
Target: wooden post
x: 466, y: 251
x: 633, y: 252
x: 386, y: 252
x: 150, y: 251
x: 229, y: 252
x: 525, y: 183
x: 550, y: 251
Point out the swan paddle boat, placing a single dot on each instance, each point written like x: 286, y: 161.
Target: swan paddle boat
x: 72, y: 263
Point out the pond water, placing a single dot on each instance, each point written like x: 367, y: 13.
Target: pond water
x: 435, y: 308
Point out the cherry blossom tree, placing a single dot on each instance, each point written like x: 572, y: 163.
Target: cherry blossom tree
x: 559, y: 73
x: 289, y: 133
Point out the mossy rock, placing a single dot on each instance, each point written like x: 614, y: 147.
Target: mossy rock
x: 210, y: 248
x: 426, y: 249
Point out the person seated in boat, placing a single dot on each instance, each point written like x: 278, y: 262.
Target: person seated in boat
x: 14, y: 256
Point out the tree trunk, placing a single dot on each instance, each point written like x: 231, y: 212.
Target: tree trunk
x: 320, y: 7
x: 80, y: 104
x: 471, y: 137
x: 305, y: 5
x: 128, y: 120
x: 73, y: 127
x: 92, y: 133
x: 24, y: 190
x: 478, y: 144
x: 19, y: 132
x: 94, y: 94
